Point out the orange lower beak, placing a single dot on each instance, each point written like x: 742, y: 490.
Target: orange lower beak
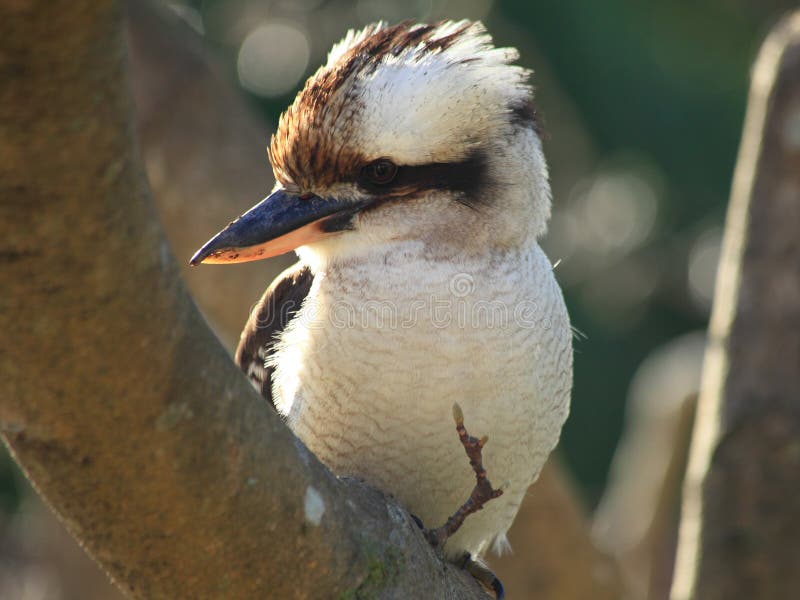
x: 276, y: 225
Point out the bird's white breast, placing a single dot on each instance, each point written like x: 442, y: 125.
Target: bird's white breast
x: 369, y: 369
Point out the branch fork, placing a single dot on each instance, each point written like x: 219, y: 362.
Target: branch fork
x: 481, y: 494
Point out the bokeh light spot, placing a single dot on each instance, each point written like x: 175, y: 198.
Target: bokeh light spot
x: 273, y: 58
x: 620, y: 210
x: 703, y: 261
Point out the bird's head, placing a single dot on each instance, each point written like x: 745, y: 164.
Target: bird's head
x: 410, y: 132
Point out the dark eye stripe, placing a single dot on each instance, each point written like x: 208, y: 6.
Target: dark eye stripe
x: 466, y: 176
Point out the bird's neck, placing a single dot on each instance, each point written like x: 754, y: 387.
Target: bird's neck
x: 409, y: 271
x: 436, y: 254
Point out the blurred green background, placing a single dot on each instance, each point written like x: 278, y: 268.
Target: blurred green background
x: 643, y: 103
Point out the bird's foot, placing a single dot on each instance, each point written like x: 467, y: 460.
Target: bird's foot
x: 481, y: 493
x: 483, y: 575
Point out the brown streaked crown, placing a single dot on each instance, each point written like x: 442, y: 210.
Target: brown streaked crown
x: 311, y: 148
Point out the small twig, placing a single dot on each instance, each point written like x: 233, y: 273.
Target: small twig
x: 481, y: 493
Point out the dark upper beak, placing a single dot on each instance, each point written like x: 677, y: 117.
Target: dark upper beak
x: 276, y: 225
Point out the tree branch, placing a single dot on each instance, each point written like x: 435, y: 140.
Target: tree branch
x: 741, y: 516
x: 120, y: 404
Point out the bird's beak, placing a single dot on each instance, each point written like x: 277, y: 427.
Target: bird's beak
x: 276, y: 225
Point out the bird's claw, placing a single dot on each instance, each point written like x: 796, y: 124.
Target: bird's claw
x: 484, y: 576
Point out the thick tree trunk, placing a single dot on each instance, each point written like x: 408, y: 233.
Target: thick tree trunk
x: 122, y: 407
x: 741, y: 524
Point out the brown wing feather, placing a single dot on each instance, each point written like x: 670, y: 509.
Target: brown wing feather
x: 268, y: 319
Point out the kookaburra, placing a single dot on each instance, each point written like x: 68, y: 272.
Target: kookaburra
x: 412, y: 185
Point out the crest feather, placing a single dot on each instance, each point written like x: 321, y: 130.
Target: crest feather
x: 392, y: 80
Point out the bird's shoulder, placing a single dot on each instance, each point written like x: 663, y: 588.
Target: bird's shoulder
x: 270, y: 316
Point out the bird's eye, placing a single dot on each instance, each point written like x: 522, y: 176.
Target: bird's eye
x: 380, y: 172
